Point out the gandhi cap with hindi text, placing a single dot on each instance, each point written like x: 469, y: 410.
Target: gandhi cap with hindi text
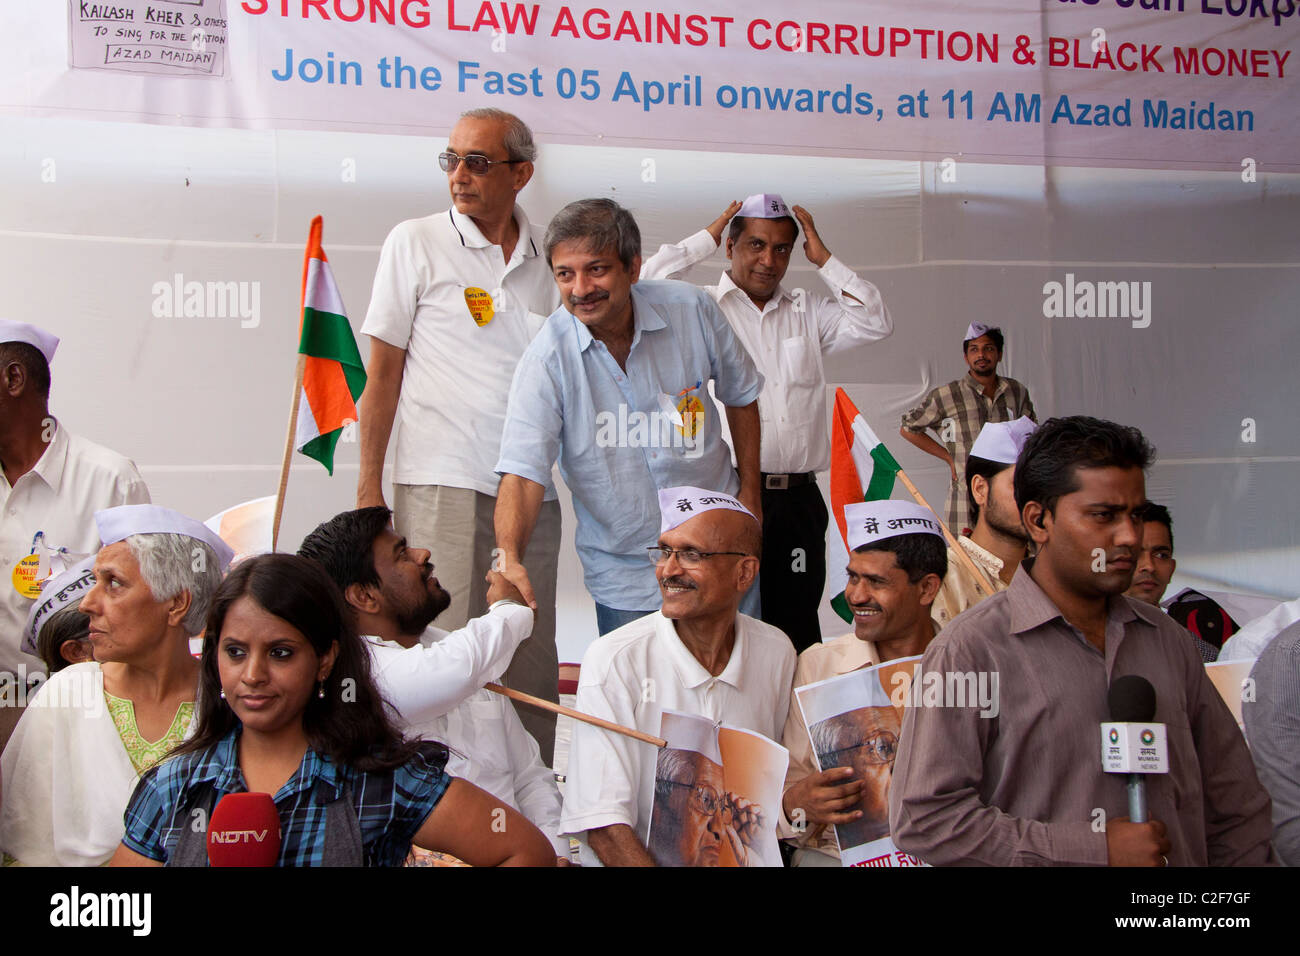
x: 870, y: 521
x: 681, y: 504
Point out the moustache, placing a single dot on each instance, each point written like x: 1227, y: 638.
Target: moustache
x: 678, y: 582
x: 588, y: 299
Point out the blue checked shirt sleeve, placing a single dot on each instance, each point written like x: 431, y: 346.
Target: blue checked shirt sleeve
x: 418, y: 785
x: 530, y: 441
x: 149, y: 813
x: 737, y: 381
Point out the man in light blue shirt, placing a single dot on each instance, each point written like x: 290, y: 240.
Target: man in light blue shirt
x: 615, y: 386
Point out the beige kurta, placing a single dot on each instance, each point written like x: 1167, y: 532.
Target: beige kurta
x: 959, y: 590
x: 819, y: 662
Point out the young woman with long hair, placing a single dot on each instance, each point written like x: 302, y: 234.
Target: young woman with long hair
x: 287, y: 707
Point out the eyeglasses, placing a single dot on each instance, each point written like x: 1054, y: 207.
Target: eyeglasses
x: 477, y: 163
x: 880, y: 748
x: 686, y: 557
x: 703, y: 798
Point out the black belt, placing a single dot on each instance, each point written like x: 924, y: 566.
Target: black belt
x: 782, y: 482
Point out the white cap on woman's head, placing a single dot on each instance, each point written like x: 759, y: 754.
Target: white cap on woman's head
x: 117, y: 524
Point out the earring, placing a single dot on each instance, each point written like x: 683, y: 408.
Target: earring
x: 223, y: 695
x: 320, y: 689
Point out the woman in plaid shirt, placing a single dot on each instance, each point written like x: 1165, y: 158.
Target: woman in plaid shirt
x: 287, y: 707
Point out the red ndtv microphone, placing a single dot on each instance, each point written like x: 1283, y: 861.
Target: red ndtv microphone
x: 244, y: 831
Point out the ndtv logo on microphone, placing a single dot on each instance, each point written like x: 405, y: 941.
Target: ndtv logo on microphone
x: 238, y: 836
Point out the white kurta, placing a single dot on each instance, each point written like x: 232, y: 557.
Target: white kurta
x: 787, y: 339
x: 436, y: 689
x: 73, y: 479
x: 629, y: 676
x: 434, y: 677
x: 66, y: 775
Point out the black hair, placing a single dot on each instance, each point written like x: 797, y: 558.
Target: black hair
x: 33, y: 362
x: 344, y: 546
x: 1159, y: 513
x: 986, y: 469
x: 994, y: 334
x: 1048, y: 464
x: 917, y: 554
x: 738, y: 226
x: 65, y: 624
x: 355, y: 732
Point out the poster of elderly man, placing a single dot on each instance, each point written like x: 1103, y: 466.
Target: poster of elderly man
x: 855, y: 720
x: 715, y: 793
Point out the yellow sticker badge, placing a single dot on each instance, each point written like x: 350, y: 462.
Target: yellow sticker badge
x: 26, y: 576
x: 480, y: 306
x: 692, y: 411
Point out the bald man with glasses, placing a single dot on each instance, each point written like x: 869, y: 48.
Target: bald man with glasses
x: 457, y: 298
x: 696, y: 655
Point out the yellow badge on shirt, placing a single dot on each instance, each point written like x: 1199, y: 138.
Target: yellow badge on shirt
x: 480, y: 306
x: 27, y: 576
x: 692, y: 411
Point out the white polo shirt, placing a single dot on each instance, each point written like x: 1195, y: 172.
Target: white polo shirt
x: 629, y: 676
x: 786, y: 340
x: 490, y: 747
x: 73, y: 479
x: 464, y: 316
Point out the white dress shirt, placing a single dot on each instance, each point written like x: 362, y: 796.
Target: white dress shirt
x: 72, y: 480
x: 435, y: 687
x: 629, y: 676
x: 457, y: 376
x: 786, y: 340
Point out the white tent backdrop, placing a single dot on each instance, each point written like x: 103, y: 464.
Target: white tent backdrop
x: 92, y: 215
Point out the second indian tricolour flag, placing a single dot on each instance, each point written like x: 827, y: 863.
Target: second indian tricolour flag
x: 862, y: 469
x: 333, y: 374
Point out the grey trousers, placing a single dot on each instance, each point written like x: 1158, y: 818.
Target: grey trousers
x: 456, y: 525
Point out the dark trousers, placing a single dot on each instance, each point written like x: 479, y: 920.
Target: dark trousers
x: 794, y: 561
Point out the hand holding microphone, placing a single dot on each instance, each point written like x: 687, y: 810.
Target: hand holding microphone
x: 1132, y: 743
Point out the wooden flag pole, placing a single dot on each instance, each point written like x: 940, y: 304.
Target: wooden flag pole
x: 288, y: 450
x: 980, y: 581
x: 313, y: 241
x: 575, y: 714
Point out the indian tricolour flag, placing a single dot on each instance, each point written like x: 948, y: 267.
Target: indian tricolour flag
x: 862, y: 469
x: 333, y: 375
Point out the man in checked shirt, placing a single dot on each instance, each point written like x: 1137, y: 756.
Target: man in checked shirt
x: 958, y: 410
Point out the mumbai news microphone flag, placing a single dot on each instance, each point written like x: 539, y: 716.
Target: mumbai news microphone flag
x: 856, y: 453
x: 333, y: 373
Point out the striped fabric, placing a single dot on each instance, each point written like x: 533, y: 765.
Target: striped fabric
x: 964, y: 403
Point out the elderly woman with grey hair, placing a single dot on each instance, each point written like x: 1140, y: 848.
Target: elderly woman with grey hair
x: 93, y: 728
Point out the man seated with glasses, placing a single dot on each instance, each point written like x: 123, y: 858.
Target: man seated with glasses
x: 895, y: 569
x: 696, y: 655
x: 457, y: 298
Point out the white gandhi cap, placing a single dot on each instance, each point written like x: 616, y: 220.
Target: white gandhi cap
x: 11, y: 331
